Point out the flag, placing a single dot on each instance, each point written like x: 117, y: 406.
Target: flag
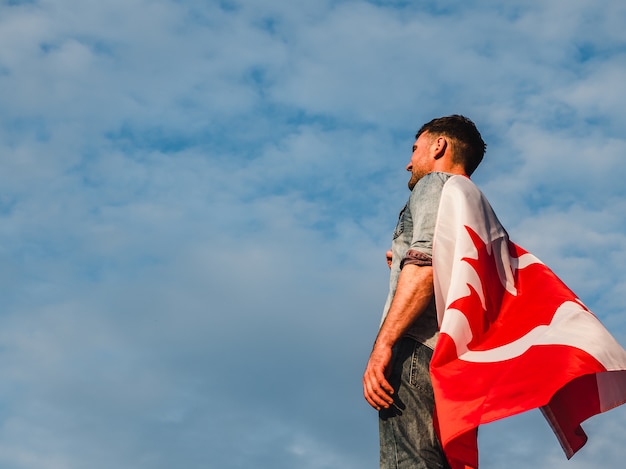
x: 513, y: 337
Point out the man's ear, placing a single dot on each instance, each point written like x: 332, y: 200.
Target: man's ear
x: 439, y: 147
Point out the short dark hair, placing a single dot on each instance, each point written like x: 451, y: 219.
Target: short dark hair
x: 468, y: 146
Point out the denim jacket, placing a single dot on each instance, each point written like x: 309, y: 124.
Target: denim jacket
x: 413, y: 244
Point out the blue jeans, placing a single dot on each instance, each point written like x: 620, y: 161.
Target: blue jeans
x: 407, y: 436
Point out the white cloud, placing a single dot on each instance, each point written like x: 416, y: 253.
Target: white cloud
x: 195, y: 198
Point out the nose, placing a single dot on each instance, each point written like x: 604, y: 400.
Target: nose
x: 409, y: 167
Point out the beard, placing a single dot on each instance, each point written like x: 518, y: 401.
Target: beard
x: 415, y: 177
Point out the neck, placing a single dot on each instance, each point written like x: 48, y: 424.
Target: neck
x: 445, y: 166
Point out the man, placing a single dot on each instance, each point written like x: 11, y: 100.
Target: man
x: 396, y: 380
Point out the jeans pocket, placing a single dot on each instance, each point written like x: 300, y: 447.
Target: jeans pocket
x: 420, y: 367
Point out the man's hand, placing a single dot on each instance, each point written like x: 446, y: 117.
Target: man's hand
x: 389, y: 256
x: 376, y: 389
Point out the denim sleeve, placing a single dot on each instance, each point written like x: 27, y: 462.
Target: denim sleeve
x: 424, y: 205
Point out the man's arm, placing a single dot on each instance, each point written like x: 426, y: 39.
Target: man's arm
x: 413, y: 295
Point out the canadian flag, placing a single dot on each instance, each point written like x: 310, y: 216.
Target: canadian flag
x: 513, y: 336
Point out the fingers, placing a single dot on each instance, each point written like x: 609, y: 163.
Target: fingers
x: 389, y: 256
x: 377, y: 391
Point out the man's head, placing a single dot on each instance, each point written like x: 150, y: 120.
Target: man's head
x: 454, y: 137
x: 468, y: 146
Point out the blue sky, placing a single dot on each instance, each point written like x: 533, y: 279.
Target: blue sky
x: 196, y: 198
